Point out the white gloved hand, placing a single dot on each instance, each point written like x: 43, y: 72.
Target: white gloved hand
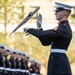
x: 39, y: 21
x: 26, y: 29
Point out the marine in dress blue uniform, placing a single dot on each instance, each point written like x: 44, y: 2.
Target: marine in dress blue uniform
x: 18, y: 64
x: 26, y: 64
x: 2, y: 64
x: 59, y: 39
x: 7, y: 62
x: 22, y: 64
x: 32, y: 67
x: 38, y: 67
x: 13, y: 62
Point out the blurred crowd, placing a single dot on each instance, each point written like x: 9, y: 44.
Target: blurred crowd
x: 19, y: 63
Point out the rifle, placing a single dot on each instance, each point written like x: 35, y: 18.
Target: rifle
x: 25, y: 19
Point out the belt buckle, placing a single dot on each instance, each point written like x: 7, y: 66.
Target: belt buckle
x: 63, y: 52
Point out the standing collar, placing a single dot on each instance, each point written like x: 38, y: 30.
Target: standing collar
x: 62, y: 22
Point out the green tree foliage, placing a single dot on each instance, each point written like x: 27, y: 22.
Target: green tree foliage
x: 11, y: 11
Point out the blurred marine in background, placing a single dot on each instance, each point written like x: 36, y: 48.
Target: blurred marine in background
x: 2, y: 60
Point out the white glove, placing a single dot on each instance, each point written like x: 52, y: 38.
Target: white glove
x: 26, y: 29
x: 39, y: 21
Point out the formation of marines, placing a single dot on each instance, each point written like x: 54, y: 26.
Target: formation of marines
x: 18, y: 63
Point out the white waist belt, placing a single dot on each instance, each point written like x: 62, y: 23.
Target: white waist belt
x: 33, y: 73
x: 58, y: 51
x: 23, y: 71
x: 1, y: 68
x: 26, y: 71
x: 13, y: 70
x: 17, y: 69
x: 8, y: 69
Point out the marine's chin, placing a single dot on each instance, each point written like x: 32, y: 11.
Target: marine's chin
x: 58, y: 19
